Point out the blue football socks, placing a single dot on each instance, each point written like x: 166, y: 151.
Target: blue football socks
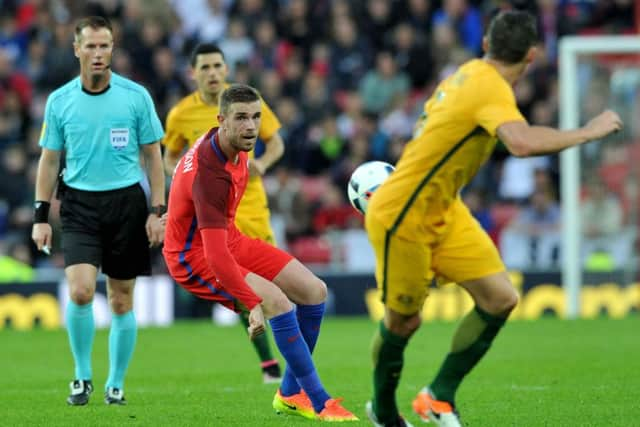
x: 294, y: 349
x: 81, y: 330
x: 309, y: 319
x: 122, y: 341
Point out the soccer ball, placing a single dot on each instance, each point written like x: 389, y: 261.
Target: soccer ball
x: 364, y: 181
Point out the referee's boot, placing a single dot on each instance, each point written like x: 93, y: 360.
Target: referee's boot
x: 114, y: 396
x: 80, y: 392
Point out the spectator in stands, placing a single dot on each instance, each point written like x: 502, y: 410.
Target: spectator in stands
x: 289, y: 205
x: 11, y: 79
x: 12, y: 117
x: 399, y: 122
x: 382, y: 85
x: 13, y: 185
x: 357, y: 152
x: 13, y: 39
x: 602, y: 224
x: 369, y: 127
x: 15, y: 263
x: 419, y: 14
x: 60, y: 62
x: 202, y: 20
x: 316, y: 99
x: 334, y: 211
x: 517, y: 180
x: 237, y: 45
x: 296, y: 26
x: 293, y: 131
x: 412, y: 55
x: 475, y: 200
x: 377, y: 21
x: 168, y: 86
x: 292, y: 76
x: 265, y: 55
x: 532, y: 240
x: 325, y: 145
x: 467, y: 21
x: 350, y: 55
x: 350, y: 114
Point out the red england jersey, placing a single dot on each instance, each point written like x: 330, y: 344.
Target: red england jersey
x: 200, y: 230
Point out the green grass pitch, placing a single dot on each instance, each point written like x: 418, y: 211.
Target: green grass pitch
x: 539, y: 373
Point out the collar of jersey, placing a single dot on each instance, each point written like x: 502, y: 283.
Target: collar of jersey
x: 215, y: 144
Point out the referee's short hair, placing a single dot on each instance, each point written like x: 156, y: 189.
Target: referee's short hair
x: 237, y: 93
x: 95, y: 22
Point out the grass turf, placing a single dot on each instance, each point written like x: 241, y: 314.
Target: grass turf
x: 539, y: 373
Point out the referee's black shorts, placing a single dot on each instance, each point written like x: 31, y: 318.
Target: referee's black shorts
x: 106, y: 229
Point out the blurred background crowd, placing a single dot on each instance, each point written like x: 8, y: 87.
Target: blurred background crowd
x: 347, y: 79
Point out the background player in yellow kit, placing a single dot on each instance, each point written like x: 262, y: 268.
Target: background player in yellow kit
x: 194, y: 115
x: 420, y: 229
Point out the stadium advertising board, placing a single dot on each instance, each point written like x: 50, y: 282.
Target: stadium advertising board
x: 22, y: 307
x: 541, y: 294
x: 25, y: 306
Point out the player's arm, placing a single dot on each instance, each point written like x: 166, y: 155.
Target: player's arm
x: 173, y: 142
x: 52, y: 143
x: 274, y: 145
x: 170, y: 161
x: 274, y: 149
x: 225, y: 267
x: 46, y: 177
x: 210, y: 200
x: 153, y: 161
x: 523, y: 140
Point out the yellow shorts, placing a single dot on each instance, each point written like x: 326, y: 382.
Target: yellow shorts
x: 257, y: 227
x: 405, y: 269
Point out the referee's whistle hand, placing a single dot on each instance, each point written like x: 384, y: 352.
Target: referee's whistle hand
x: 155, y: 230
x: 41, y: 234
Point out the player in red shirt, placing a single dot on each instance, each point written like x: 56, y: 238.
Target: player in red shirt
x: 209, y: 257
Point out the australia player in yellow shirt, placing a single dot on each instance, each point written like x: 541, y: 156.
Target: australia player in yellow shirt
x: 420, y: 229
x: 194, y: 115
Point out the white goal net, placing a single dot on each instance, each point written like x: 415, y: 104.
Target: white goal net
x: 599, y: 180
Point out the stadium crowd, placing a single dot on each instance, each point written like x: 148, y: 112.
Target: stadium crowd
x: 347, y: 79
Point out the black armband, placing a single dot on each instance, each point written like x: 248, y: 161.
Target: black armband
x: 158, y: 210
x: 41, y: 211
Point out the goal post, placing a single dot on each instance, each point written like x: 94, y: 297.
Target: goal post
x: 569, y: 110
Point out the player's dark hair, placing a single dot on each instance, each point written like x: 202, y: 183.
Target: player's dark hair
x: 511, y: 34
x: 237, y: 93
x: 204, y: 48
x: 95, y: 22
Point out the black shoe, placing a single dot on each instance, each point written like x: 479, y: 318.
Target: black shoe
x: 399, y: 422
x: 114, y: 396
x: 271, y: 374
x: 80, y: 391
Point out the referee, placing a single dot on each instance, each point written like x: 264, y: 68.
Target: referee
x: 102, y: 121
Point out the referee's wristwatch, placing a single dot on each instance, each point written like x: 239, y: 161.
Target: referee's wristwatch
x: 159, y: 210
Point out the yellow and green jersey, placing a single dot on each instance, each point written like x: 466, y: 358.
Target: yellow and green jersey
x: 453, y: 138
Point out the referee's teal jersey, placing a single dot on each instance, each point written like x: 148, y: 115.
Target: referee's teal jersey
x: 101, y: 133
